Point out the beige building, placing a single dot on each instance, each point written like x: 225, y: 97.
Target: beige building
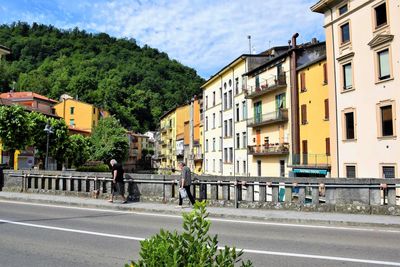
x: 4, y: 51
x: 268, y: 93
x: 363, y: 59
x: 225, y: 118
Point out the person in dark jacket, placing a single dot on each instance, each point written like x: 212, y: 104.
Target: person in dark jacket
x: 118, y: 181
x: 185, y: 182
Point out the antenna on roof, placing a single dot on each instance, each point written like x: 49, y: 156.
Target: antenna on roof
x: 249, y: 37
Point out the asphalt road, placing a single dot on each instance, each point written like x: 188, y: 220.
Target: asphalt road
x: 45, y: 235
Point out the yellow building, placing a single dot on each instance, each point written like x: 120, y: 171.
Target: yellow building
x: 182, y: 116
x: 168, y: 139
x: 314, y: 157
x: 78, y: 115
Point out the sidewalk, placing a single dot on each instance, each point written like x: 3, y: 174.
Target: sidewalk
x: 272, y: 216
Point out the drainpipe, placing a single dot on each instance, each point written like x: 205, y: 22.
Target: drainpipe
x: 294, y: 100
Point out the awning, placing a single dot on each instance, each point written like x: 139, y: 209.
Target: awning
x: 310, y: 171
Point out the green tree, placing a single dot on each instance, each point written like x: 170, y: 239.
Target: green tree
x: 194, y: 247
x: 78, y: 150
x: 14, y: 127
x: 109, y: 141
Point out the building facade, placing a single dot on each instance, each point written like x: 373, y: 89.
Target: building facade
x: 168, y: 140
x: 225, y: 118
x: 79, y: 115
x: 268, y: 95
x: 362, y: 56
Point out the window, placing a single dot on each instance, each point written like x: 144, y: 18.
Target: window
x: 343, y: 9
x: 237, y: 113
x: 220, y: 92
x: 230, y: 127
x: 326, y: 104
x: 350, y: 171
x: 349, y: 125
x: 72, y: 122
x: 225, y: 128
x: 71, y: 110
x: 230, y: 83
x: 345, y: 33
x: 213, y: 120
x: 225, y: 155
x: 380, y: 15
x: 244, y: 167
x: 225, y: 85
x: 220, y: 165
x: 258, y: 167
x: 94, y: 110
x: 220, y: 143
x: 387, y: 120
x: 213, y: 165
x: 220, y: 118
x: 237, y: 166
x: 347, y: 76
x: 282, y: 168
x: 230, y: 98
x: 213, y: 98
x: 303, y: 114
x: 230, y: 154
x: 257, y: 81
x: 236, y: 85
x: 206, y: 102
x: 303, y: 82
x: 206, y: 164
x: 384, y: 64
x: 328, y: 146
x: 237, y: 140
x: 206, y: 123
x: 388, y: 172
x: 213, y: 144
x: 305, y: 151
x: 225, y: 101
x: 244, y: 110
x: 206, y: 145
x: 325, y: 73
x: 244, y: 144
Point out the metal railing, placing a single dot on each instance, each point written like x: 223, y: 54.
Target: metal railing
x: 310, y: 160
x: 330, y: 194
x: 280, y: 115
x: 268, y: 85
x: 269, y: 149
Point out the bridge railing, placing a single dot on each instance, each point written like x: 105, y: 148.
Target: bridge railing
x: 323, y: 194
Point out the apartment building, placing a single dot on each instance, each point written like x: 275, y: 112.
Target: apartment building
x: 363, y: 59
x: 225, y: 118
x: 182, y: 116
x: 268, y: 95
x: 314, y: 157
x: 168, y: 140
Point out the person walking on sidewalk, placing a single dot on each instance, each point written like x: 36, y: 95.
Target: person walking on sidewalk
x: 118, y: 181
x: 185, y: 182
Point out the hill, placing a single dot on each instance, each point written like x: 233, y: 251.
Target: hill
x: 137, y: 84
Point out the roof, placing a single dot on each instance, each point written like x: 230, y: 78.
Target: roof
x: 5, y: 49
x: 26, y: 95
x: 234, y: 62
x: 6, y: 102
x: 323, y: 5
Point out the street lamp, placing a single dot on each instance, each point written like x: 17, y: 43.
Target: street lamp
x: 49, y: 130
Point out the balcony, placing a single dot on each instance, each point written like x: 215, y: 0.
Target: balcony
x: 269, y: 85
x: 269, y: 149
x: 317, y: 161
x: 279, y: 116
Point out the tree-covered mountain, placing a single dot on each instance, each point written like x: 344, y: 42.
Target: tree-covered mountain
x: 137, y: 84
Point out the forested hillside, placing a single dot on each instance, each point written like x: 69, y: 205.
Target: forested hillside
x: 137, y: 84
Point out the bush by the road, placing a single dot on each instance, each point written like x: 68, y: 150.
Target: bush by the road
x: 193, y: 247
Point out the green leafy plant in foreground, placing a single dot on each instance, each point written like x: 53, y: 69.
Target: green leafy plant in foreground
x: 193, y: 247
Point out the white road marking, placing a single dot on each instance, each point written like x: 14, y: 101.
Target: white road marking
x: 211, y: 218
x: 252, y: 251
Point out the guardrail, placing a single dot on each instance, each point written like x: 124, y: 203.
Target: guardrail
x: 318, y: 194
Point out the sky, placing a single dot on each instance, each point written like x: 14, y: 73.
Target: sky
x: 203, y: 34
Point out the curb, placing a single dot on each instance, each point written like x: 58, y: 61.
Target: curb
x: 124, y: 207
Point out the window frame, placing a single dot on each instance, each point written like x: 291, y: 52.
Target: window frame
x: 350, y: 165
x: 340, y: 29
x: 374, y: 17
x: 379, y: 119
x: 344, y: 128
x: 382, y: 165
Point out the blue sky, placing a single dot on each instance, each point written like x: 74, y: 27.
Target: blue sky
x: 203, y: 34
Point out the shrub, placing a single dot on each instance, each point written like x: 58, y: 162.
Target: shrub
x: 194, y: 247
x: 95, y: 168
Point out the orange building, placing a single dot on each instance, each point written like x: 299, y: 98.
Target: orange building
x: 33, y: 101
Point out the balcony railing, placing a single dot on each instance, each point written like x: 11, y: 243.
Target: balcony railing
x: 267, y: 86
x: 310, y: 160
x: 278, y: 116
x: 269, y: 149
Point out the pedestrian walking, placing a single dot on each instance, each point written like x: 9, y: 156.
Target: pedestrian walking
x: 184, y: 183
x: 117, y: 187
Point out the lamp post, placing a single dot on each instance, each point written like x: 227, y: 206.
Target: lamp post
x: 49, y: 130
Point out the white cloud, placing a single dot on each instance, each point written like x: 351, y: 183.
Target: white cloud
x: 203, y: 34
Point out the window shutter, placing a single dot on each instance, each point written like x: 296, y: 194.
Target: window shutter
x: 328, y: 146
x: 326, y: 109
x: 303, y: 81
x: 303, y: 114
x: 325, y: 73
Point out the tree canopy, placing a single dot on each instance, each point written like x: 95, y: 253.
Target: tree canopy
x: 137, y: 84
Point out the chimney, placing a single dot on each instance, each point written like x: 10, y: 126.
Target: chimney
x: 314, y: 40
